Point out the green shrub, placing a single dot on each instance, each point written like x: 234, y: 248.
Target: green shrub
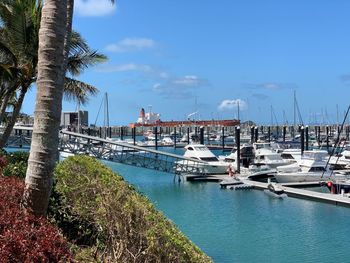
x: 17, y: 169
x: 126, y: 225
x: 17, y: 164
x: 16, y: 157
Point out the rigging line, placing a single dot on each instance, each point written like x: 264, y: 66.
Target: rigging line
x: 98, y: 113
x: 337, y: 141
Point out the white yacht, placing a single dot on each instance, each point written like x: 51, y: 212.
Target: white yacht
x: 311, y: 167
x: 266, y: 155
x: 210, y: 163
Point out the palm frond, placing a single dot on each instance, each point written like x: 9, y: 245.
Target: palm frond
x: 77, y: 43
x: 79, y: 61
x: 75, y: 90
x: 6, y: 55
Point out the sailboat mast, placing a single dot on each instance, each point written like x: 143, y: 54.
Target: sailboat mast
x: 295, y: 99
x: 238, y: 110
x: 106, y: 111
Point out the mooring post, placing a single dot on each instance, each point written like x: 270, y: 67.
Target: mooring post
x: 269, y: 133
x: 188, y: 135
x: 252, y: 134
x: 327, y: 137
x: 238, y: 145
x: 174, y: 137
x: 134, y: 134
x: 223, y: 137
x: 201, y: 135
x: 302, y: 139
x: 208, y: 134
x: 256, y: 134
x: 156, y: 136
x: 284, y: 133
x: 306, y: 138
x: 319, y: 134
x: 100, y: 132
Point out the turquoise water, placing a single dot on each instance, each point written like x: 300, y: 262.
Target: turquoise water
x: 246, y: 226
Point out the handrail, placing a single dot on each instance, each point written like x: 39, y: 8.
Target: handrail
x: 139, y: 148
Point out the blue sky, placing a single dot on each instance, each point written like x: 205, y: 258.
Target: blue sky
x: 197, y: 55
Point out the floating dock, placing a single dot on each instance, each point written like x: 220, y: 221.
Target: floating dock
x: 305, y: 194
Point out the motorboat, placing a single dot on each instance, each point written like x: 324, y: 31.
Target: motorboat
x: 167, y: 141
x: 209, y: 163
x: 266, y: 155
x: 291, y: 155
x: 311, y: 167
x: 275, y: 190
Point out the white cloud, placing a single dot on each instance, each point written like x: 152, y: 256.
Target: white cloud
x: 271, y: 86
x: 126, y: 67
x: 131, y: 44
x: 232, y: 104
x: 94, y: 7
x: 179, y: 88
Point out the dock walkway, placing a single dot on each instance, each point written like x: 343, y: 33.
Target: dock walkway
x: 306, y: 194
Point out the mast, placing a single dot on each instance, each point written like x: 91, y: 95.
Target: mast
x: 238, y: 109
x: 79, y: 119
x: 295, y: 99
x: 106, y: 111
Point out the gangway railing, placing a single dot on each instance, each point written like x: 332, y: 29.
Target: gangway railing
x: 126, y: 153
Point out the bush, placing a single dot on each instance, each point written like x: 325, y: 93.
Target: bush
x: 25, y: 238
x: 127, y: 226
x: 16, y: 157
x: 17, y: 164
x: 18, y: 170
x: 3, y: 163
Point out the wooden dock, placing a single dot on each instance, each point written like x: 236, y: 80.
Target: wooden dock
x: 306, y: 194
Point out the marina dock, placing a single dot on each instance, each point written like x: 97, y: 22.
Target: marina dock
x: 305, y: 194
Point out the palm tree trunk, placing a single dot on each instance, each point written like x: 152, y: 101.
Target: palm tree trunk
x: 3, y: 106
x: 9, y: 126
x: 44, y: 146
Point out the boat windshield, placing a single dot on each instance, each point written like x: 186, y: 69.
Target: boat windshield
x: 209, y: 159
x: 317, y: 169
x: 201, y: 148
x: 262, y: 146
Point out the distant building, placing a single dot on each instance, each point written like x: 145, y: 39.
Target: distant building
x: 70, y: 118
x: 148, y: 118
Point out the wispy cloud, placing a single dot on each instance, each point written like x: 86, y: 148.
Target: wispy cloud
x: 271, y: 86
x: 180, y: 88
x: 131, y: 45
x: 125, y: 67
x: 232, y: 104
x: 94, y: 7
x: 345, y: 77
x: 148, y: 71
x: 260, y: 96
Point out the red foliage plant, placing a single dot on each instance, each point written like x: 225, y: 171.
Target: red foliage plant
x: 26, y: 238
x: 3, y: 162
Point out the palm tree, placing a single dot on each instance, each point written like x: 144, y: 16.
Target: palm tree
x: 53, y: 36
x: 14, y: 46
x: 50, y: 82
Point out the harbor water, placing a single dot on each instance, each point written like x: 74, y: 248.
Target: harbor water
x: 247, y: 225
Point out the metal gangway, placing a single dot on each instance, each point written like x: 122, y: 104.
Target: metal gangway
x: 125, y: 153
